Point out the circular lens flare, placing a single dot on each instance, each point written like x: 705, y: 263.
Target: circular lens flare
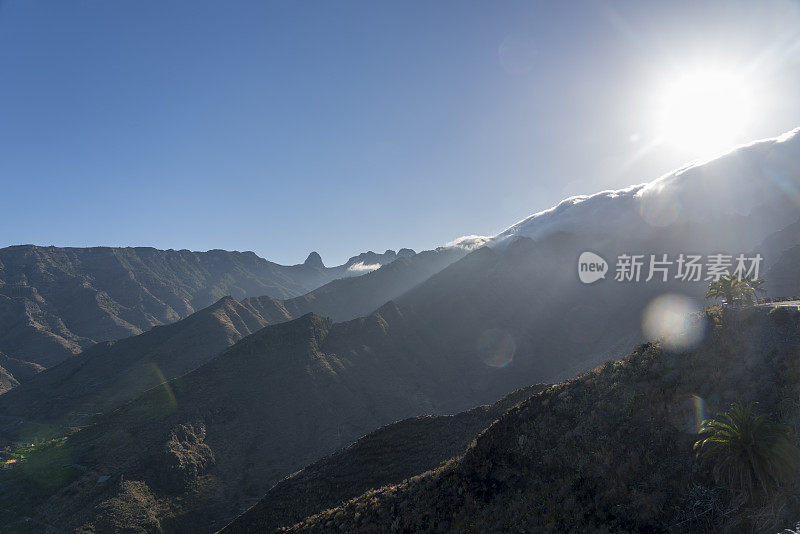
x: 660, y: 208
x: 497, y: 348
x: 673, y: 320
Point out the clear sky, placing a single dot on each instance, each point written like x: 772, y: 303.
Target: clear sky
x: 286, y: 127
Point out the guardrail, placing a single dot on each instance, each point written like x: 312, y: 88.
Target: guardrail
x: 771, y: 300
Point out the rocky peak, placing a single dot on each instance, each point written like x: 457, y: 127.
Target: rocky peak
x: 314, y: 260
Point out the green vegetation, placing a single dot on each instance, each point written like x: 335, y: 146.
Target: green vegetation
x: 735, y: 290
x: 748, y: 451
x: 29, y: 473
x: 20, y: 451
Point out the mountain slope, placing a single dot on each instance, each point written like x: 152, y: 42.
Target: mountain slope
x: 7, y: 381
x: 291, y: 393
x: 54, y: 302
x: 385, y: 456
x: 348, y: 298
x: 492, y: 322
x: 108, y: 374
x: 198, y: 448
x: 21, y: 370
x: 782, y: 278
x: 608, y: 451
x: 316, y: 393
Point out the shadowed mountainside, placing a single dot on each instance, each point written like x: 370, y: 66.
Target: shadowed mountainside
x: 387, y: 455
x: 490, y: 323
x: 782, y: 279
x: 348, y: 298
x: 13, y: 370
x: 199, y: 448
x: 7, y: 381
x: 54, y: 302
x: 108, y: 374
x: 487, y: 324
x: 610, y: 451
x: 20, y: 369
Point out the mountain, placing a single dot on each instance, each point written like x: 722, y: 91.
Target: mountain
x: 13, y: 370
x: 387, y: 455
x: 348, y: 298
x: 609, y: 451
x: 106, y: 375
x: 782, y: 278
x: 7, y: 381
x: 206, y: 444
x: 224, y: 433
x: 775, y: 245
x: 55, y: 302
x: 197, y: 449
x: 293, y: 392
x: 221, y: 435
x: 21, y: 370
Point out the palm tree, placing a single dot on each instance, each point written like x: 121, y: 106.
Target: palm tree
x: 728, y: 288
x: 747, y: 450
x: 754, y: 286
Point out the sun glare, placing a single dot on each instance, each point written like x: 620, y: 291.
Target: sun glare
x: 705, y: 111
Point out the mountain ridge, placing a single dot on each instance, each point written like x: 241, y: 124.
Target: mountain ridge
x: 55, y: 302
x: 107, y: 374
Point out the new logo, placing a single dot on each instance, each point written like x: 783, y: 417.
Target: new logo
x: 591, y: 267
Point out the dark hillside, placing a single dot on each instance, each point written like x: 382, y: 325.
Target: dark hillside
x: 277, y: 400
x: 109, y: 374
x: 609, y: 451
x: 106, y: 375
x: 289, y: 394
x: 783, y: 279
x: 385, y: 456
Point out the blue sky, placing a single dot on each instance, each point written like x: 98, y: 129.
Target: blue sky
x: 285, y: 127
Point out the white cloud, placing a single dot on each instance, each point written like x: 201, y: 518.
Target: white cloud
x: 753, y: 176
x: 361, y: 267
x: 469, y: 242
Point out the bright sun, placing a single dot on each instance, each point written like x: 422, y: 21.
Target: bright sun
x: 705, y: 111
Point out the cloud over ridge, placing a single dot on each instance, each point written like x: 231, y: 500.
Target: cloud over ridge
x: 749, y: 177
x: 361, y: 267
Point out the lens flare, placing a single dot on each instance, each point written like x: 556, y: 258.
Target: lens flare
x: 699, y: 413
x: 686, y: 413
x: 660, y: 208
x: 496, y: 348
x: 673, y: 320
x: 163, y: 399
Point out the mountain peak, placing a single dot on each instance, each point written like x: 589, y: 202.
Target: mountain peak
x: 406, y: 253
x: 314, y: 260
